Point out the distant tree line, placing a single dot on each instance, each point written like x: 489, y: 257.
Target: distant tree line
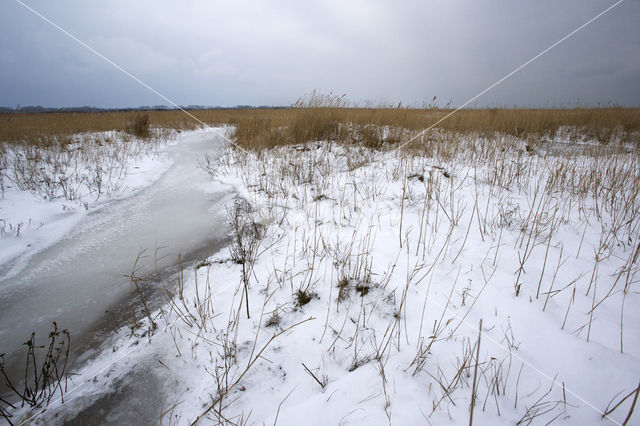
x: 37, y: 109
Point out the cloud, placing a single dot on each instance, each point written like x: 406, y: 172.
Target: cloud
x: 251, y: 52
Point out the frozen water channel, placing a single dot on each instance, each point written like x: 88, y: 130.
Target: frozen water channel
x: 77, y: 279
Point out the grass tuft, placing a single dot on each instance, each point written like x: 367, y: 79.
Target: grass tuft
x: 302, y: 297
x: 140, y: 126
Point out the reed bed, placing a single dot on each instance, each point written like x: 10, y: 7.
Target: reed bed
x: 323, y: 118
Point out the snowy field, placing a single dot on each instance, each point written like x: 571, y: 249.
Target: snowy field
x: 463, y: 276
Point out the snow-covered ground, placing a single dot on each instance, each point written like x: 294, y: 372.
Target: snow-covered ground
x: 45, y: 192
x: 371, y: 287
x: 164, y: 205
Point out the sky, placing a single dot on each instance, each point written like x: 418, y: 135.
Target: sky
x: 241, y: 52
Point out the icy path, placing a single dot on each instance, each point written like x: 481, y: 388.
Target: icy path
x: 75, y: 280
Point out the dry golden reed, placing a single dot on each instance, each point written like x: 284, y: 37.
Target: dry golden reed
x: 266, y: 129
x: 331, y: 119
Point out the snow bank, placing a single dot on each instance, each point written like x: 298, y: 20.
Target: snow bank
x: 370, y: 277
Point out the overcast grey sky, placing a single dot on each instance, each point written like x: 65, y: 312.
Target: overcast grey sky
x: 272, y: 52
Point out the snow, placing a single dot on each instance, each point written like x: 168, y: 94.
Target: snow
x: 80, y: 281
x: 403, y: 255
x: 30, y: 222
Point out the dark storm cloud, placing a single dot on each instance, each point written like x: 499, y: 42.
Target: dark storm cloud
x: 219, y: 53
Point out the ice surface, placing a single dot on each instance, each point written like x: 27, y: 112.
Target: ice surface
x: 77, y: 278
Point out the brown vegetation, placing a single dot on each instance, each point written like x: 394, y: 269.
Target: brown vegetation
x: 265, y: 129
x: 327, y: 118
